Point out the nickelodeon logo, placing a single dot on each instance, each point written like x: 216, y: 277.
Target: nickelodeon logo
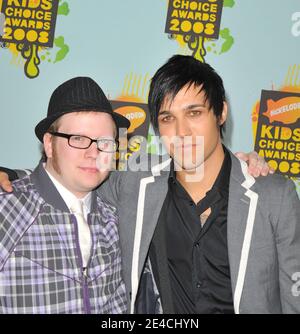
x: 286, y: 110
x: 136, y: 115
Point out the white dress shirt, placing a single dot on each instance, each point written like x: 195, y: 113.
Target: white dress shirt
x: 84, y: 234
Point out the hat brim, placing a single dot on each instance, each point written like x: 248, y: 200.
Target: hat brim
x: 43, y: 126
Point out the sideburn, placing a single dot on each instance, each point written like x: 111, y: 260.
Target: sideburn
x: 55, y: 159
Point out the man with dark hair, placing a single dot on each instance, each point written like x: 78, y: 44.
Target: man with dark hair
x: 59, y: 241
x: 172, y: 77
x: 204, y: 236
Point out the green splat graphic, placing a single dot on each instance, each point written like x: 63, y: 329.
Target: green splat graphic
x: 64, y: 49
x: 228, y: 3
x: 63, y: 9
x: 222, y: 45
x: 229, y: 40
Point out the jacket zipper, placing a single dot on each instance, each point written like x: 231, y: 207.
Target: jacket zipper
x: 86, y: 297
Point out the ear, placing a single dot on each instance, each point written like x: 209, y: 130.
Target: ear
x: 223, y: 117
x: 47, y: 139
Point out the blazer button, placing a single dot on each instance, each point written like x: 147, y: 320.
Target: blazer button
x: 199, y: 284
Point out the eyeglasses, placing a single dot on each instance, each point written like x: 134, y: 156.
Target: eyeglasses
x: 83, y: 142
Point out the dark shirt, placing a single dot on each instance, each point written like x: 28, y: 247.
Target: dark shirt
x: 197, y: 267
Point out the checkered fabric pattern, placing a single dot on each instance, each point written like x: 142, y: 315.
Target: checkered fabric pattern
x: 40, y: 259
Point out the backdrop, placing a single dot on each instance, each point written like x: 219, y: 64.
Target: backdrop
x: 254, y: 45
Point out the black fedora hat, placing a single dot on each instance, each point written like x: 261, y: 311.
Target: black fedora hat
x: 77, y: 94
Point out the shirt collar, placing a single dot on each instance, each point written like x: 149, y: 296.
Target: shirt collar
x: 222, y: 181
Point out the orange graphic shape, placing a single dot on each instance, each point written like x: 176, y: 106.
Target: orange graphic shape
x: 136, y: 115
x: 286, y: 110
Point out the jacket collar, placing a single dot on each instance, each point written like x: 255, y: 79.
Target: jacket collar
x: 49, y: 192
x: 239, y: 173
x: 164, y: 166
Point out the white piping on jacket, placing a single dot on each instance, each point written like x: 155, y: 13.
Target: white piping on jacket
x: 138, y: 229
x: 253, y: 196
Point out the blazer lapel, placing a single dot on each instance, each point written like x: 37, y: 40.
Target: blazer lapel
x: 241, y: 216
x: 155, y: 195
x: 152, y: 193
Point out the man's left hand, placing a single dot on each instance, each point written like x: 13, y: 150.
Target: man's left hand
x: 256, y: 164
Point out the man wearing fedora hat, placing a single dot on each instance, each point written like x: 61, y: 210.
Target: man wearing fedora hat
x: 59, y: 242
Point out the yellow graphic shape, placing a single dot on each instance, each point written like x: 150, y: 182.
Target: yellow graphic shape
x: 196, y: 44
x: 190, y: 43
x: 286, y: 110
x: 135, y: 88
x: 292, y: 79
x: 30, y: 54
x: 254, y: 115
x: 136, y: 115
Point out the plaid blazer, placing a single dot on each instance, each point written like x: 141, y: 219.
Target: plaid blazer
x: 40, y: 258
